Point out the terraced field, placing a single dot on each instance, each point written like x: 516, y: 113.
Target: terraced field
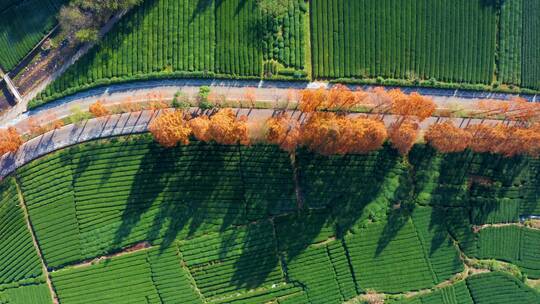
x: 226, y: 224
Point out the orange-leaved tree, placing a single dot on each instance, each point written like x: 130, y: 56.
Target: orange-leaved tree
x: 10, y: 140
x: 250, y: 95
x: 98, y: 109
x: 170, y: 128
x: 341, y: 98
x: 380, y: 100
x: 447, y: 138
x: 522, y: 141
x: 330, y: 133
x: 283, y: 131
x: 313, y: 100
x: 403, y: 136
x: 199, y: 127
x: 413, y: 106
x: 522, y: 110
x: 365, y: 135
x: 488, y: 138
x: 223, y: 128
x: 323, y: 132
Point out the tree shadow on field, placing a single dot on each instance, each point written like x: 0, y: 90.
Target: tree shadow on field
x: 492, y: 3
x: 202, y: 6
x: 184, y: 188
x: 249, y: 196
x: 340, y: 193
x: 150, y: 181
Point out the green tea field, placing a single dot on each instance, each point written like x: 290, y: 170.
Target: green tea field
x: 123, y: 220
x: 459, y: 44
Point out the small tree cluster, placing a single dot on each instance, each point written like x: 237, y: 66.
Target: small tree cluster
x: 328, y: 133
x: 170, y: 128
x: 98, y: 109
x: 80, y: 20
x: 403, y: 136
x: 338, y: 98
x: 223, y: 127
x: 447, y: 138
x: 283, y: 131
x: 10, y: 140
x: 482, y: 138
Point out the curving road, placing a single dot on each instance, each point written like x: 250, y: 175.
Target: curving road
x: 233, y: 89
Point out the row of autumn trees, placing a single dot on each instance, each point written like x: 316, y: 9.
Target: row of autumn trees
x: 326, y: 125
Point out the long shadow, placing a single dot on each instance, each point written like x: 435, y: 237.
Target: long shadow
x: 209, y: 183
x: 184, y: 192
x: 150, y: 180
x: 201, y: 7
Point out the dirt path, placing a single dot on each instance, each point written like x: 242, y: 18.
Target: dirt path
x: 36, y: 244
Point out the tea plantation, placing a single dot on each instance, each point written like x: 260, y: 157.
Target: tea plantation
x: 469, y: 44
x: 123, y: 220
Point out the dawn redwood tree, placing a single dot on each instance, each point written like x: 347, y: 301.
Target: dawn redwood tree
x: 98, y: 109
x: 522, y: 141
x: 328, y: 133
x: 522, y: 110
x: 323, y: 132
x: 227, y: 129
x: 380, y: 99
x: 250, y: 96
x: 10, y: 140
x: 445, y: 137
x: 488, y: 138
x: 199, y: 127
x: 313, y: 100
x: 170, y: 128
x: 403, y: 136
x: 283, y: 131
x: 413, y: 106
x: 223, y: 128
x: 341, y: 98
x: 366, y: 135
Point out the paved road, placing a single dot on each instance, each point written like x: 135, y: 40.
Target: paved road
x: 233, y: 89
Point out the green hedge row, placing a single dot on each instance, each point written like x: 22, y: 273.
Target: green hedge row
x: 531, y: 45
x: 451, y: 41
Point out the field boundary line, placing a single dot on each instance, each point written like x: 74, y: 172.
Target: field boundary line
x: 35, y: 241
x: 135, y: 248
x: 421, y: 240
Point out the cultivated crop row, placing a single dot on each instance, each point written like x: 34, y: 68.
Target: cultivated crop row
x: 389, y: 259
x: 513, y: 244
x: 31, y: 293
x: 233, y: 261
x: 48, y: 194
x: 496, y: 287
x: 511, y: 41
x: 452, y: 42
x: 225, y: 226
x: 125, y: 279
x: 441, y: 253
x: 531, y: 44
x: 18, y: 257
